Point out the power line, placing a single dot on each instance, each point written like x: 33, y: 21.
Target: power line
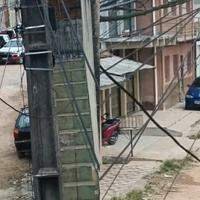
x: 142, y: 129
x: 72, y: 99
x: 138, y: 31
x: 148, y: 115
x: 160, y: 49
x: 149, y: 42
x: 145, y: 12
x: 66, y: 11
x: 140, y: 132
x: 137, y: 102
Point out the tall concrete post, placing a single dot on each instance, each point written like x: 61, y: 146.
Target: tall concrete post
x: 39, y: 67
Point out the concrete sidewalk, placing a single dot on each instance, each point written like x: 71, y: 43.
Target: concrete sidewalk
x: 153, y: 148
x: 156, y: 145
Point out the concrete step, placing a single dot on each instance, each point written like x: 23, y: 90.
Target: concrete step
x: 74, y: 76
x: 72, y: 114
x: 68, y: 99
x: 73, y: 138
x: 70, y: 65
x: 73, y: 122
x: 72, y: 83
x: 80, y: 173
x: 81, y: 190
x: 73, y: 156
x: 66, y: 106
x: 66, y: 132
x: 79, y: 89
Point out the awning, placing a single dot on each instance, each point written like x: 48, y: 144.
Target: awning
x: 120, y: 70
x: 106, y: 82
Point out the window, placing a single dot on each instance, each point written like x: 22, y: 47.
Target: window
x: 13, y: 43
x: 175, y: 64
x: 167, y: 68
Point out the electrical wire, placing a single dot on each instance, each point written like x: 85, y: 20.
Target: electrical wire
x: 140, y: 104
x: 66, y: 11
x: 138, y: 135
x: 140, y: 132
x: 73, y: 99
x: 179, y: 171
x: 139, y: 31
x: 159, y: 50
x: 145, y: 12
x: 148, y: 115
x: 149, y: 42
x: 152, y: 56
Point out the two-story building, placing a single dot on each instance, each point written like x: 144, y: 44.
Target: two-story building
x: 171, y: 31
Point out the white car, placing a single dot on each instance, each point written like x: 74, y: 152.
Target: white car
x: 4, y: 38
x: 12, y: 52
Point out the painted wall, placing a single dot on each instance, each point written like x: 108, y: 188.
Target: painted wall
x: 198, y: 59
x: 168, y: 70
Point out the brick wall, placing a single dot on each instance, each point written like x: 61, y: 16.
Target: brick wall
x: 172, y: 14
x: 144, y: 20
x: 73, y: 7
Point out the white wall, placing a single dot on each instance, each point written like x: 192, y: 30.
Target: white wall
x: 198, y: 60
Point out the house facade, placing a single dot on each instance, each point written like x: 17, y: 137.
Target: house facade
x: 172, y: 54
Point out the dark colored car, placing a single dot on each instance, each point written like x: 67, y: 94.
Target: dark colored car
x: 22, y: 133
x: 192, y: 98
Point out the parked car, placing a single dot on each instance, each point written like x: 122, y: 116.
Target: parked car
x: 10, y: 32
x: 12, y: 52
x: 192, y: 98
x: 4, y: 38
x: 22, y: 133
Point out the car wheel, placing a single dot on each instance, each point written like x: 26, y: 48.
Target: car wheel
x: 187, y: 107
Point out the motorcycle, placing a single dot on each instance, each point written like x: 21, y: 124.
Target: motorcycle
x: 110, y: 129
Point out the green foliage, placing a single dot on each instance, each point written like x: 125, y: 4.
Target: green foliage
x: 194, y: 137
x: 134, y: 195
x: 170, y: 166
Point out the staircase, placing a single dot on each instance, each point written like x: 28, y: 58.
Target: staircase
x: 76, y: 168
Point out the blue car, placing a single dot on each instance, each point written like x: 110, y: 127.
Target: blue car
x: 192, y: 98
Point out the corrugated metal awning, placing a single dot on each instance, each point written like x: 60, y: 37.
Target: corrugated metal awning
x: 120, y: 70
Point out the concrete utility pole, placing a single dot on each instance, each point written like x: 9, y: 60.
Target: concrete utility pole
x: 68, y: 171
x: 38, y: 63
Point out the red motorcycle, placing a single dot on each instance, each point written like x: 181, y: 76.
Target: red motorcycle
x: 110, y: 129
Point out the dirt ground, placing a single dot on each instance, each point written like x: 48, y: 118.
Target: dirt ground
x: 184, y: 185
x: 11, y: 167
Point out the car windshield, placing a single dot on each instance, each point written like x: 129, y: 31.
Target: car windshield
x: 196, y: 83
x: 13, y: 43
x: 24, y: 121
